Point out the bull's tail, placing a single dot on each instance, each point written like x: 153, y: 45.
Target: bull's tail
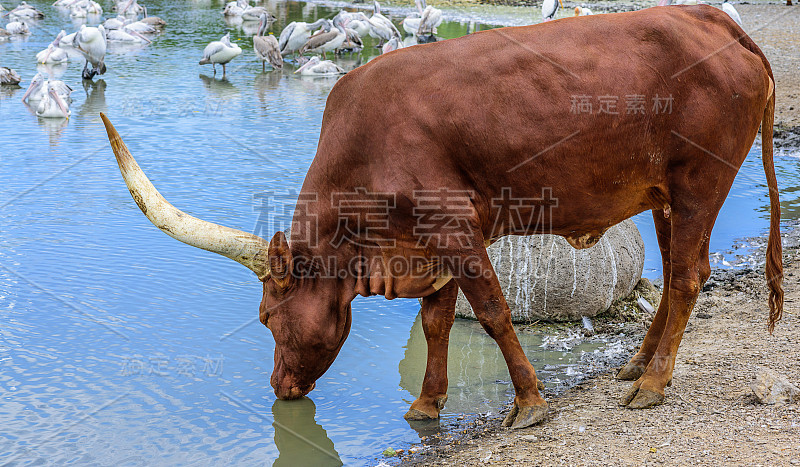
x: 774, y: 266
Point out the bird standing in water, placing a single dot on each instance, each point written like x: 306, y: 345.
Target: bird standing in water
x: 266, y: 46
x: 91, y: 43
x: 222, y: 52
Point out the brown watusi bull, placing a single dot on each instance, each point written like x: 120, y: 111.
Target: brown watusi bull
x: 466, y: 140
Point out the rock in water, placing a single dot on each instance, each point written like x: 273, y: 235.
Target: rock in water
x: 544, y: 278
x: 773, y: 388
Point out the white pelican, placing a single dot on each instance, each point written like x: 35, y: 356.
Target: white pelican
x: 114, y: 23
x: 18, y: 28
x: 221, y: 51
x: 581, y: 11
x: 153, y: 21
x: 731, y: 11
x: 297, y: 33
x: 91, y: 43
x: 393, y: 44
x: 52, y: 106
x: 53, y: 53
x: 26, y: 11
x: 140, y: 27
x: 354, y: 22
x: 131, y: 8
x: 253, y: 13
x: 431, y: 19
x: 549, y: 9
x: 317, y: 67
x: 78, y: 11
x: 94, y: 8
x: 126, y: 35
x: 266, y: 46
x: 353, y: 40
x: 66, y: 41
x: 9, y: 76
x: 327, y: 41
x: 4, y: 35
x: 411, y: 23
x: 39, y: 87
x: 380, y: 26
x: 235, y: 8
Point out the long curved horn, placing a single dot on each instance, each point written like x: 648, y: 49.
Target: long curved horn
x: 244, y: 248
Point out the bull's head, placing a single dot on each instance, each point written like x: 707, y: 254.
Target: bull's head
x: 309, y: 316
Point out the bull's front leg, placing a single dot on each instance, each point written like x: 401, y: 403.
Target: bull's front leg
x: 438, y: 313
x: 473, y: 271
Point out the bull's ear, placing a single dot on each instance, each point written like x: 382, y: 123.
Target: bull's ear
x: 280, y: 260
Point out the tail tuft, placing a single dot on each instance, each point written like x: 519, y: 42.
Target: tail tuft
x: 774, y: 266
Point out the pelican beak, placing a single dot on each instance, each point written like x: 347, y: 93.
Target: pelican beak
x: 60, y: 103
x: 49, y: 51
x: 141, y: 37
x: 28, y: 92
x: 303, y: 67
x: 562, y: 4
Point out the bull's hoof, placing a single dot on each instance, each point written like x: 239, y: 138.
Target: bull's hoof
x: 421, y: 410
x: 631, y: 372
x: 523, y: 417
x: 638, y: 398
x: 416, y: 415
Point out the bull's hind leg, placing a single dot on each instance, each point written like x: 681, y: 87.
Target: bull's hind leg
x: 438, y: 313
x: 689, y: 269
x: 638, y: 363
x: 475, y: 275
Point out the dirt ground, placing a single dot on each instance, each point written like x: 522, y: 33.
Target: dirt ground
x: 710, y: 416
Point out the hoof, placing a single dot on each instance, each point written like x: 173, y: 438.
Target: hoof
x: 638, y: 398
x: 522, y: 417
x: 414, y: 415
x: 419, y: 411
x: 630, y: 372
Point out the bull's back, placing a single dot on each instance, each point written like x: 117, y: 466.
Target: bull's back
x: 533, y: 107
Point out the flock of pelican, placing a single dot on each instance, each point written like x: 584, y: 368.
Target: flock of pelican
x: 50, y: 98
x: 343, y: 33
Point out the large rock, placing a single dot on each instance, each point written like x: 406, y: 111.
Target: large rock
x: 544, y: 278
x: 773, y: 388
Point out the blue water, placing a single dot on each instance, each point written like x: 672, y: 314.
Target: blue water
x: 119, y: 345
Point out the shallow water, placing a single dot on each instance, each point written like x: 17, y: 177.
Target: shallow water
x: 120, y: 345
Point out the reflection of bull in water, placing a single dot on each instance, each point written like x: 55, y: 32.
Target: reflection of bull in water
x: 477, y: 374
x: 299, y: 438
x: 489, y: 127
